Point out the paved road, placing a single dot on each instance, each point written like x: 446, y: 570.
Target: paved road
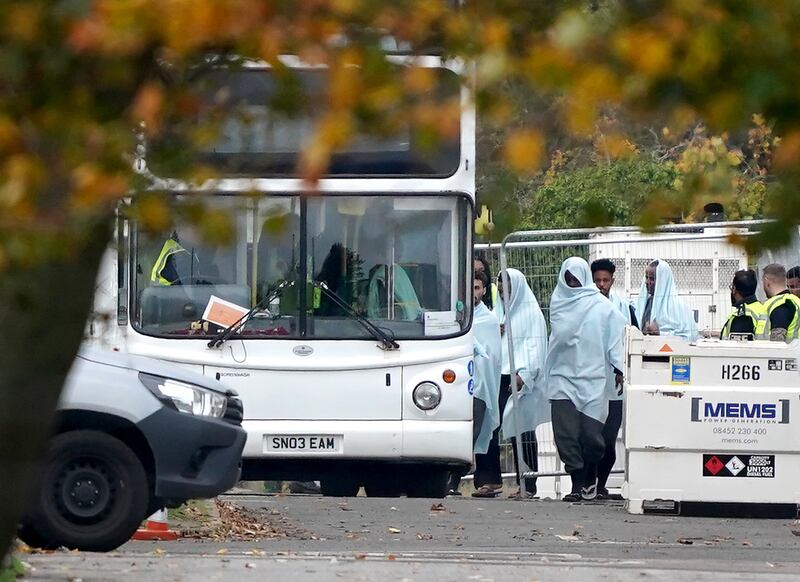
x: 466, y: 539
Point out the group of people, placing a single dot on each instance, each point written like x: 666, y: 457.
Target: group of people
x: 776, y: 318
x: 573, y: 375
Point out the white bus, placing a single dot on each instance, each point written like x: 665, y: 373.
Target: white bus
x: 354, y: 359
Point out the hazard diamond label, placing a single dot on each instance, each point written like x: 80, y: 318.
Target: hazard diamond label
x: 735, y: 466
x: 753, y: 466
x: 714, y: 465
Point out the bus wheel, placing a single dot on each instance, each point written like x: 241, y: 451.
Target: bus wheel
x: 428, y: 482
x: 339, y: 486
x: 387, y: 486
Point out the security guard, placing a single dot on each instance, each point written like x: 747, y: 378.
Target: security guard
x: 173, y: 263
x: 783, y: 308
x: 749, y: 316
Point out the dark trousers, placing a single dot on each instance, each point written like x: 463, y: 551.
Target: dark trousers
x: 487, y: 465
x: 530, y: 453
x: 610, y: 432
x: 478, y: 413
x: 579, y: 440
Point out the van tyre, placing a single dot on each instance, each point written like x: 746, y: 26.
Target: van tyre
x: 27, y: 534
x: 92, y: 495
x: 429, y: 482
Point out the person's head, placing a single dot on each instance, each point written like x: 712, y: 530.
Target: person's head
x: 572, y: 280
x: 500, y: 290
x: 519, y: 292
x: 481, y: 265
x: 793, y: 280
x: 603, y: 275
x: 575, y: 274
x: 650, y: 277
x: 479, y: 285
x: 774, y: 279
x: 744, y: 285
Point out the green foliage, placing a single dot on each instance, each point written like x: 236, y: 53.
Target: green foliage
x: 601, y: 194
x: 13, y: 570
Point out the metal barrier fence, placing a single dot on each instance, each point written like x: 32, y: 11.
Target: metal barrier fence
x: 703, y: 264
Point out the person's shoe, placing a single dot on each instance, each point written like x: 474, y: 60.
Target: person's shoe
x: 602, y: 494
x: 571, y: 497
x: 589, y: 492
x: 454, y: 493
x: 307, y: 487
x: 486, y: 491
x: 518, y: 495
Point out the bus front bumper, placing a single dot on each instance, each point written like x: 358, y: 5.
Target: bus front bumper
x: 448, y: 442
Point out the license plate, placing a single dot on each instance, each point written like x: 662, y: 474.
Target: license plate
x: 323, y: 443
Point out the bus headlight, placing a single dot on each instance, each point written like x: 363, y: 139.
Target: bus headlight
x: 186, y: 398
x: 427, y: 396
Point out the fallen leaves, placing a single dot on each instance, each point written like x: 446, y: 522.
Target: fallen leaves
x: 236, y: 523
x: 395, y: 530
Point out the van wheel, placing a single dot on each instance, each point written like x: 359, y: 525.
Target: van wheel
x: 428, y: 482
x: 92, y: 495
x: 339, y: 486
x: 30, y: 536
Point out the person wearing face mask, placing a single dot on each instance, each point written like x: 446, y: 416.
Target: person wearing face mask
x: 748, y: 316
x: 586, y: 348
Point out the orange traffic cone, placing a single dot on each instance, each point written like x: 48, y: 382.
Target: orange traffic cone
x: 156, y: 528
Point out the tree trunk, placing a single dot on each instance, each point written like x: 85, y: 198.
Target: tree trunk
x: 43, y: 314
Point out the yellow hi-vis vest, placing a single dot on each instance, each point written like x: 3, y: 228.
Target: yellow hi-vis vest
x: 776, y: 301
x: 756, y: 311
x: 171, y: 247
x: 495, y: 294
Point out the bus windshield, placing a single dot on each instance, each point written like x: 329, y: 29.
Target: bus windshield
x: 262, y: 122
x: 400, y: 261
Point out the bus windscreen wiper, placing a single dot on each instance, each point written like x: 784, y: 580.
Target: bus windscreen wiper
x: 387, y: 342
x: 226, y: 333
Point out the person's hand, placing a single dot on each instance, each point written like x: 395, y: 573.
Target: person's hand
x: 520, y: 383
x: 502, y: 328
x: 620, y: 382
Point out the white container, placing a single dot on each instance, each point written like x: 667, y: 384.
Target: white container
x: 711, y: 422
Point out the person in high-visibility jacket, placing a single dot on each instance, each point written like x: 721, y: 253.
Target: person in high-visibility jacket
x: 748, y: 315
x: 174, y: 263
x: 783, y: 308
